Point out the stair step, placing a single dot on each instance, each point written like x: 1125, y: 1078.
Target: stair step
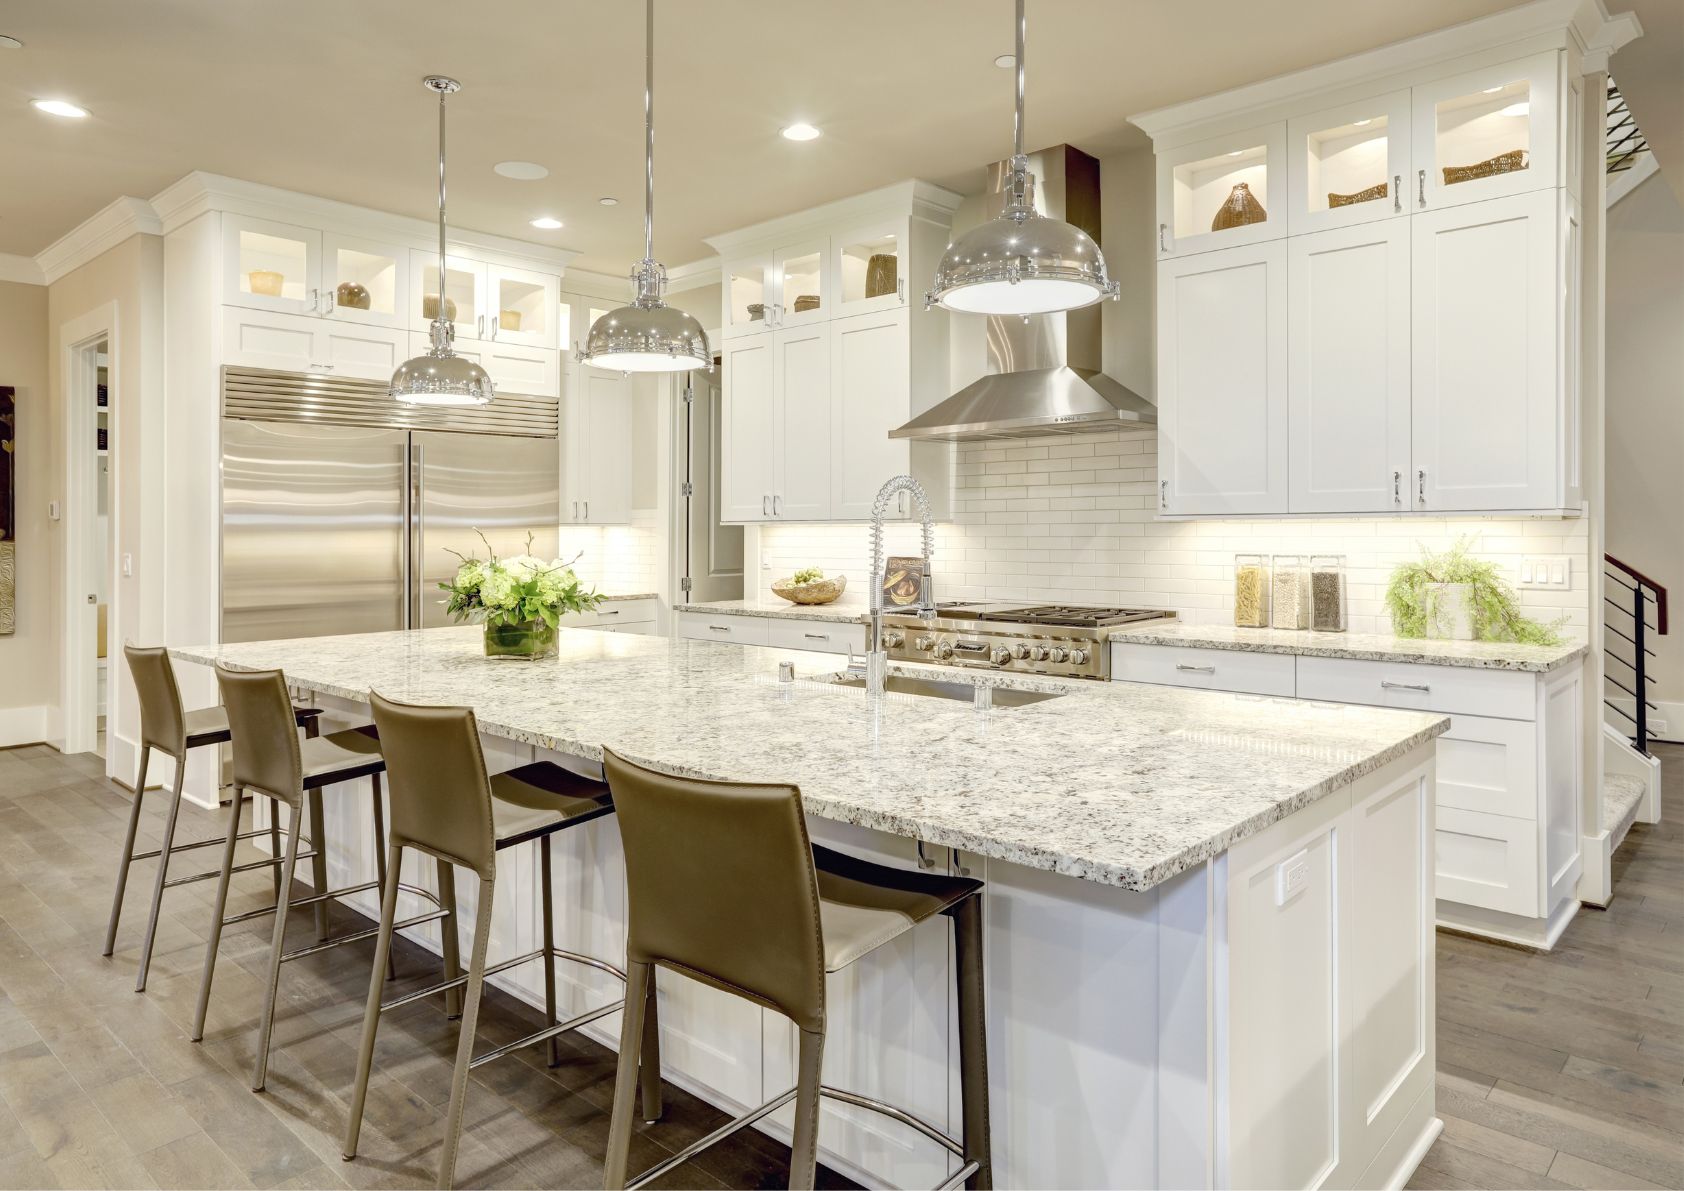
x: 1621, y: 794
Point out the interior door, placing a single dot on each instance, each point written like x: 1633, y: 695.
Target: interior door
x: 712, y: 553
x: 312, y: 541
x: 466, y: 485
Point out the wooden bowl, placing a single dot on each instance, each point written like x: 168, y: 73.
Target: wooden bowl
x: 819, y: 591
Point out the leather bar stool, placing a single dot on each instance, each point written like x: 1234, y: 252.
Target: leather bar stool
x: 166, y: 727
x: 725, y: 887
x: 445, y: 805
x: 269, y: 760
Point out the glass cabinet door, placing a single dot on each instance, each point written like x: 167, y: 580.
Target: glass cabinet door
x: 1223, y: 192
x: 463, y: 293
x: 363, y: 281
x: 272, y: 266
x: 868, y: 266
x: 523, y: 306
x: 1349, y: 164
x: 749, y: 300
x: 800, y: 283
x: 1488, y: 133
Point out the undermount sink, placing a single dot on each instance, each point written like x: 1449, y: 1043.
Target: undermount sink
x: 958, y: 692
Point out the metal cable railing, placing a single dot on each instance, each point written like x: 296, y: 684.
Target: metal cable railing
x: 1624, y: 139
x: 1639, y: 610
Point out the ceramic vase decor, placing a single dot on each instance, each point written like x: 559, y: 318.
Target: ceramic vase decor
x: 1240, y: 208
x: 881, y: 274
x: 352, y: 294
x: 1450, y: 611
x: 430, y: 307
x: 530, y: 639
x: 266, y: 282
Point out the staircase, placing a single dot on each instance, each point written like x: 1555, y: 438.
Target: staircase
x: 1627, y: 158
x: 1631, y: 780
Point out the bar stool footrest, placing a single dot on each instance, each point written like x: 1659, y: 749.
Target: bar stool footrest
x: 203, y: 843
x: 357, y: 936
x: 504, y: 966
x: 548, y: 1032
x: 238, y: 868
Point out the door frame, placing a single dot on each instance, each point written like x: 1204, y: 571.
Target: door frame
x: 78, y: 647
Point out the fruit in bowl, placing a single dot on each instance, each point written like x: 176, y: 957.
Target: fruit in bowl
x: 809, y: 586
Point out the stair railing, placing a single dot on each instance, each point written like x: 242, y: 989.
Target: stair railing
x: 1640, y: 596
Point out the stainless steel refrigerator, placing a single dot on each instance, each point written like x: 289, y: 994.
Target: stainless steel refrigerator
x: 341, y: 508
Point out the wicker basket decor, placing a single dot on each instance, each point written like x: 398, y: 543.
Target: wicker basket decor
x: 881, y: 274
x: 1503, y: 163
x: 805, y: 302
x: 819, y: 591
x: 1377, y: 191
x: 756, y: 311
x: 1240, y: 208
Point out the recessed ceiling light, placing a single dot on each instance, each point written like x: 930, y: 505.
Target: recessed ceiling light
x: 1491, y: 91
x: 10, y: 43
x: 609, y: 200
x: 801, y: 132
x: 58, y: 107
x: 522, y: 171
x: 545, y: 223
x: 1006, y: 61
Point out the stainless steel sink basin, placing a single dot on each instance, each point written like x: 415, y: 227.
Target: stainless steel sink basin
x: 958, y: 692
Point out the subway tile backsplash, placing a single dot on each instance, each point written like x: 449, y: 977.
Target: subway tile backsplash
x: 617, y: 559
x: 1073, y: 518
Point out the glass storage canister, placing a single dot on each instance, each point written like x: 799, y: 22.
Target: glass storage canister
x: 1327, y: 593
x: 1290, y: 593
x: 1251, y: 591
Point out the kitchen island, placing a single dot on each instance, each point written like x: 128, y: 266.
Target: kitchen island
x: 1209, y: 916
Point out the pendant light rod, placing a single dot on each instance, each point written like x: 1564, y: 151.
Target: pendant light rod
x: 444, y: 86
x: 649, y: 129
x: 1017, y: 124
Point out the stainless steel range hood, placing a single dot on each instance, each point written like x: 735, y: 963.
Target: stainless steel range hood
x: 1043, y: 372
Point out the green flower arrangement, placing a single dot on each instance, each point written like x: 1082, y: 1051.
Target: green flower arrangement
x: 1412, y: 598
x: 520, y: 600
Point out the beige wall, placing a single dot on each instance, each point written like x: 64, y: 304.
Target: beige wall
x: 701, y: 303
x: 1645, y: 406
x: 27, y: 657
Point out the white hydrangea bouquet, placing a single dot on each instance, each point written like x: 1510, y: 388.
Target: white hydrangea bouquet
x: 520, y: 600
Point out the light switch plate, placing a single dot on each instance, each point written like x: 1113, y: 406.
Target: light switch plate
x: 1553, y: 571
x: 1291, y: 875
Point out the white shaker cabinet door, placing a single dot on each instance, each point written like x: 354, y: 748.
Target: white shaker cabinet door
x: 1348, y: 367
x: 801, y: 423
x: 1486, y: 287
x: 871, y: 394
x: 605, y: 447
x: 1222, y: 381
x: 746, y: 451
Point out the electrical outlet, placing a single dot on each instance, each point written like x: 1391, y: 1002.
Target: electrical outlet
x: 1291, y: 875
x: 1553, y: 571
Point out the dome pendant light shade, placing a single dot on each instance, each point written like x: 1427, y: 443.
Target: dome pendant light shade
x: 439, y: 376
x: 1021, y: 262
x: 648, y: 335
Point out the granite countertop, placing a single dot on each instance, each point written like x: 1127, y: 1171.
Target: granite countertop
x: 1116, y: 783
x: 844, y: 611
x: 634, y: 595
x: 1374, y: 647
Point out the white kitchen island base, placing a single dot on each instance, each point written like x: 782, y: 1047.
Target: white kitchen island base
x: 1264, y: 1019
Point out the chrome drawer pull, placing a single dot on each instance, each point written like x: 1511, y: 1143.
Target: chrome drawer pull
x: 1405, y: 686
x: 718, y: 628
x: 614, y: 613
x: 1185, y: 669
x: 816, y: 636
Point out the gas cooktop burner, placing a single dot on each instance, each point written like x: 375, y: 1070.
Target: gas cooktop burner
x: 1080, y: 616
x: 1062, y: 640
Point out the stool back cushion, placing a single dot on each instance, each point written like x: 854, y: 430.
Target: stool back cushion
x: 162, y: 724
x: 265, y: 734
x: 720, y: 884
x: 441, y: 797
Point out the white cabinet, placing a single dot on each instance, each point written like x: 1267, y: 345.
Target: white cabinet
x: 1488, y: 285
x: 822, y: 636
x: 513, y: 368
x: 1348, y: 164
x: 364, y: 281
x: 1222, y: 381
x: 616, y: 616
x: 871, y: 392
x: 737, y: 630
x: 801, y: 413
x: 464, y: 292
x: 1469, y: 126
x: 1196, y: 182
x: 597, y: 448
x: 525, y: 306
x: 309, y: 343
x: 747, y: 288
x: 1348, y: 336
x: 746, y: 430
x: 868, y: 267
x: 801, y: 281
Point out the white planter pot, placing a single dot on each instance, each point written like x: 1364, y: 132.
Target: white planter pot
x: 1450, y: 611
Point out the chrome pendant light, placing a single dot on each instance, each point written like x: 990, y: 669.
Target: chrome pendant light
x: 648, y: 335
x: 440, y: 376
x: 1021, y: 262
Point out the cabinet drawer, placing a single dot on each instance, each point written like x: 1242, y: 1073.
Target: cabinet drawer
x: 624, y: 614
x: 740, y: 630
x: 827, y: 636
x: 1489, y: 766
x: 1453, y: 690
x: 1489, y: 861
x: 1206, y: 669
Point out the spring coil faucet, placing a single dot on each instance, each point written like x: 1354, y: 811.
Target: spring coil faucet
x: 877, y: 656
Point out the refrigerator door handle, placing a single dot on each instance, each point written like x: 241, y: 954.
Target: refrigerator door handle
x: 406, y: 547
x: 419, y: 547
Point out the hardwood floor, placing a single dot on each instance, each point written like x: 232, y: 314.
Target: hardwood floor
x: 1559, y: 1070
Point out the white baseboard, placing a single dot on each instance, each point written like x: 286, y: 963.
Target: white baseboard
x: 24, y: 725
x: 1666, y: 720
x: 1596, y: 882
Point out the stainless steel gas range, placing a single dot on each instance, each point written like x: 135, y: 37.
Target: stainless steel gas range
x: 1062, y: 640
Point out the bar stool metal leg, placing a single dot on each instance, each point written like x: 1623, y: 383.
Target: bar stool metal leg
x: 318, y: 862
x: 376, y: 989
x: 266, y: 1028
x: 804, y: 1147
x: 128, y: 852
x: 639, y: 976
x: 163, y: 872
x: 380, y: 860
x: 548, y: 896
x: 217, y: 915
x: 973, y: 1038
x: 649, y: 1059
x: 465, y: 1043
x: 451, y: 941
x: 275, y: 845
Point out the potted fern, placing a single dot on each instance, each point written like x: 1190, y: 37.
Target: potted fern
x: 1449, y: 594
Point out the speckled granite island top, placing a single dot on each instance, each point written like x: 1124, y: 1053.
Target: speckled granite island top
x: 843, y: 611
x: 1116, y: 783
x: 1373, y: 647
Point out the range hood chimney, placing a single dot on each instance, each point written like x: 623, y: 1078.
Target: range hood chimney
x: 1044, y: 370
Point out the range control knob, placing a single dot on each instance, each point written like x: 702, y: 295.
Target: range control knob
x: 1079, y: 657
x: 1037, y: 653
x: 999, y: 655
x: 942, y: 650
x: 1020, y: 651
x: 1060, y: 654
x: 923, y: 643
x: 892, y: 638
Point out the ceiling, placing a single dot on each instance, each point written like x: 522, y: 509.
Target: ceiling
x: 324, y: 96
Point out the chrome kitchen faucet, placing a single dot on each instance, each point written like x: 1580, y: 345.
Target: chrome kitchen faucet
x: 876, y: 647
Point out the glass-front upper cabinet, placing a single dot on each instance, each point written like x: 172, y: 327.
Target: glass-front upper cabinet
x: 1348, y: 164
x: 464, y: 293
x: 869, y: 267
x: 800, y: 282
x: 1222, y: 192
x: 523, y: 306
x: 1491, y: 132
x: 271, y: 266
x: 364, y: 281
x: 748, y: 296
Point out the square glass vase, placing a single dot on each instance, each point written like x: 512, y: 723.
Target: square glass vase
x: 531, y: 639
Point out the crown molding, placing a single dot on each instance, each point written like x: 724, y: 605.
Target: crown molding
x: 101, y: 232
x: 614, y: 287
x: 694, y: 275
x: 915, y: 197
x: 21, y: 269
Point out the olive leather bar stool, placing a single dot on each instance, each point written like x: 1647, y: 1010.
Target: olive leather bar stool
x: 445, y: 805
x: 725, y: 887
x: 269, y: 760
x: 166, y: 727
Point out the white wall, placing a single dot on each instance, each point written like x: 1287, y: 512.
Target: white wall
x: 29, y: 656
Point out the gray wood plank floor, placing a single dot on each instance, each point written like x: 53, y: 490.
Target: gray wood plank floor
x: 1565, y: 1070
